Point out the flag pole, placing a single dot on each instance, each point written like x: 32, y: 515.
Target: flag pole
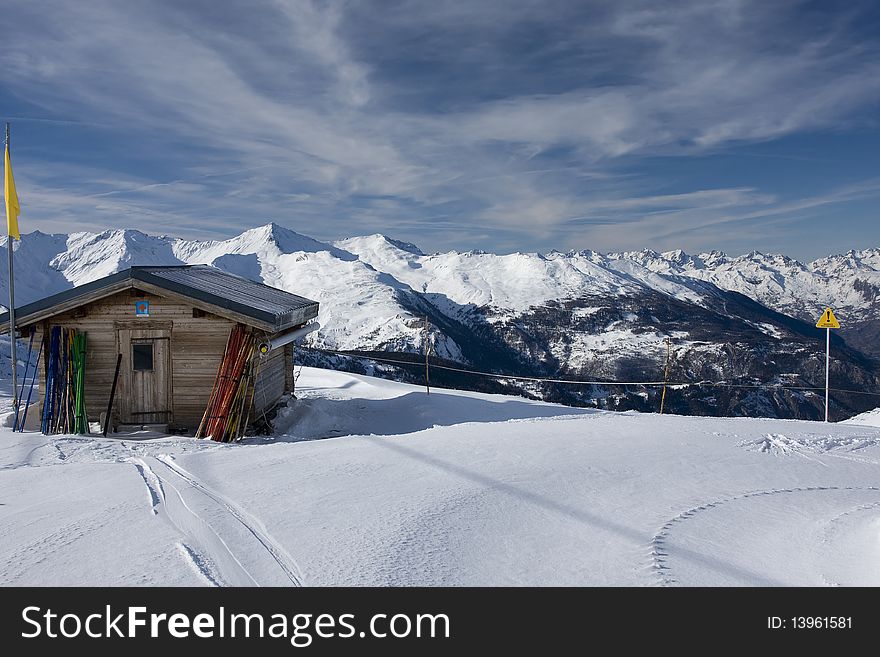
x: 12, y: 338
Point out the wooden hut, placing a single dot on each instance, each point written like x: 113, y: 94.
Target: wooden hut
x: 171, y: 326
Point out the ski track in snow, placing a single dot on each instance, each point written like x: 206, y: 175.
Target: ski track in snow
x: 842, y: 519
x: 153, y: 483
x: 659, y: 553
x: 196, y: 529
x: 200, y: 565
x: 201, y: 515
x: 28, y: 460
x: 251, y: 523
x: 216, y: 561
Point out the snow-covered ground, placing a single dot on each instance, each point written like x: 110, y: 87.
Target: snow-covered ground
x: 377, y: 483
x: 868, y: 418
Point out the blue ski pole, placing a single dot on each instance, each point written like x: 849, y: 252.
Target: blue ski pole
x: 27, y: 365
x: 31, y: 389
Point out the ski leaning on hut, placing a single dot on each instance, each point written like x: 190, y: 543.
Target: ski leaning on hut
x: 64, y: 409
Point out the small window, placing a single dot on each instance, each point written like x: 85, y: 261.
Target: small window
x: 142, y: 356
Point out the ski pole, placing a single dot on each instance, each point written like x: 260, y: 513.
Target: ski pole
x: 31, y: 389
x: 27, y: 365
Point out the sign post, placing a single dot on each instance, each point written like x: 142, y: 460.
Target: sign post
x: 827, y: 321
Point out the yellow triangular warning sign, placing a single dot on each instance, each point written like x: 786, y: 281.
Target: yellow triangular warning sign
x: 828, y: 320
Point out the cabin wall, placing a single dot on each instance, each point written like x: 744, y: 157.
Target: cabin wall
x: 197, y: 341
x: 270, y: 382
x: 197, y: 346
x: 288, y: 367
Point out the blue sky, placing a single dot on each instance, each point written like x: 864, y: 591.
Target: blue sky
x: 502, y: 126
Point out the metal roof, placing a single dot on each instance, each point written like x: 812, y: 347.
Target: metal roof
x: 267, y: 307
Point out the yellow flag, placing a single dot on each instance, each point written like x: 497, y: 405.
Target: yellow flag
x: 12, y: 207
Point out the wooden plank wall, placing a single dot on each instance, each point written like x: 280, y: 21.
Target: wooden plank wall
x: 270, y: 382
x: 288, y: 367
x: 197, y: 345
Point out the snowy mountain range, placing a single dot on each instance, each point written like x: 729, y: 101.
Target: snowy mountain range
x: 578, y: 314
x: 849, y: 282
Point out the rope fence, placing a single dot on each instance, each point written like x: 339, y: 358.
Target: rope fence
x: 670, y: 384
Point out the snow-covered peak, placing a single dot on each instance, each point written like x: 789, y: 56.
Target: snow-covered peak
x: 377, y: 242
x: 89, y: 256
x: 683, y: 260
x: 588, y: 254
x: 866, y: 260
x: 507, y: 283
x: 37, y: 244
x: 713, y: 258
x: 37, y: 278
x: 284, y: 239
x: 268, y: 239
x: 770, y: 260
x: 668, y: 262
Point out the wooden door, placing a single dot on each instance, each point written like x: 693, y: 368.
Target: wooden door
x: 146, y: 376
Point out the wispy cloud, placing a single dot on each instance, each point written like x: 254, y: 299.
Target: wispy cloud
x: 719, y: 217
x: 520, y: 125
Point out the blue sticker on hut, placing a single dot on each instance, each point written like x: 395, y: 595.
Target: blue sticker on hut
x: 142, y: 308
